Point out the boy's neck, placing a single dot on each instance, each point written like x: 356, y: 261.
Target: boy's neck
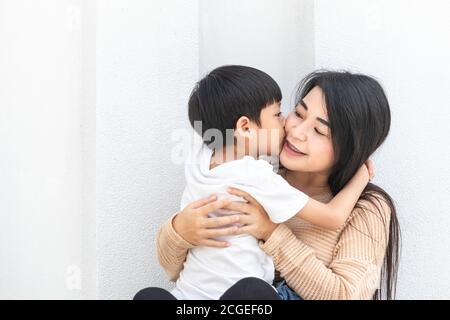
x: 226, y: 154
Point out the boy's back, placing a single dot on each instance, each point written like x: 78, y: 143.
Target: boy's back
x: 208, y: 272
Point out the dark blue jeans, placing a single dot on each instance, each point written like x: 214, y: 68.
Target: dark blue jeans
x: 285, y: 292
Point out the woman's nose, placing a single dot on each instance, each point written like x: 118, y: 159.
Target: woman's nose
x: 302, y: 137
x: 298, y: 132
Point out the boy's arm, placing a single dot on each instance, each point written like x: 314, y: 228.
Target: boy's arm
x: 333, y: 215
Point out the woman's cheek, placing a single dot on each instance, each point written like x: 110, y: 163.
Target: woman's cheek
x: 323, y: 154
x: 327, y: 153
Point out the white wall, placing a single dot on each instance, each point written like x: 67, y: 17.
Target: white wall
x: 91, y: 91
x: 46, y: 150
x: 274, y: 36
x: 405, y: 44
x: 147, y: 64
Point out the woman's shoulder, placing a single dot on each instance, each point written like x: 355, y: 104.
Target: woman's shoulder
x: 368, y: 226
x: 371, y: 212
x: 374, y: 202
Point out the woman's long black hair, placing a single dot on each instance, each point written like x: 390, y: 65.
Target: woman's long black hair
x: 360, y: 118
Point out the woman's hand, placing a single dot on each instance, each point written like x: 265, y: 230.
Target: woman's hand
x: 254, y: 219
x: 194, y: 225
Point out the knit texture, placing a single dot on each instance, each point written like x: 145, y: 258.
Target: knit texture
x: 317, y: 263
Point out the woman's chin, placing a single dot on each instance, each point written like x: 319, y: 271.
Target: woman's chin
x: 292, y: 162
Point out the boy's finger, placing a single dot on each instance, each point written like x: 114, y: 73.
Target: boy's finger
x: 370, y: 168
x: 237, y: 206
x: 240, y: 193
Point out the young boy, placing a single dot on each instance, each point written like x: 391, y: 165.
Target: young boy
x: 236, y: 111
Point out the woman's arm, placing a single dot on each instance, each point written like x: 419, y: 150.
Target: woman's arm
x: 357, y: 257
x: 355, y: 267
x: 189, y: 228
x: 172, y: 249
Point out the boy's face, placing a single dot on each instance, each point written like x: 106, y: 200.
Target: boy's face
x: 271, y: 131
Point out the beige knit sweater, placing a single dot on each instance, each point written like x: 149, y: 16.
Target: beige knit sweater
x: 316, y: 263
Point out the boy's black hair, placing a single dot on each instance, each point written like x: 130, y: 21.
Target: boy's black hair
x: 228, y: 93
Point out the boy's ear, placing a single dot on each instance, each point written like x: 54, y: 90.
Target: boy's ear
x: 244, y: 127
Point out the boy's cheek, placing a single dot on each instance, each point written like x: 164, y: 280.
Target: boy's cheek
x: 279, y: 144
x: 282, y: 135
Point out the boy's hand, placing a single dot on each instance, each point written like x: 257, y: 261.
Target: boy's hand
x: 254, y: 218
x: 370, y: 168
x: 366, y: 171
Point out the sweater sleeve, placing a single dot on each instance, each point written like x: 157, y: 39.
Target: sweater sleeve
x: 357, y: 258
x: 172, y: 249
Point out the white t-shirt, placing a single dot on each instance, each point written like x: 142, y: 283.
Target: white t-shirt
x: 208, y: 272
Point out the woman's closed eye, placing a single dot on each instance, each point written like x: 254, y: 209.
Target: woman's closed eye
x: 297, y: 114
x: 318, y: 131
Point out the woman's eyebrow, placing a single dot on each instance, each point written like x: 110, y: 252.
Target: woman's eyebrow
x: 325, y: 122
x: 303, y: 104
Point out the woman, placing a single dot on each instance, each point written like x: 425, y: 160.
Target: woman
x: 339, y: 120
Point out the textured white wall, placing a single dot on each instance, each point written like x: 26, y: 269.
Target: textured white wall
x: 274, y: 36
x: 46, y: 149
x: 147, y: 64
x: 89, y: 187
x: 404, y: 43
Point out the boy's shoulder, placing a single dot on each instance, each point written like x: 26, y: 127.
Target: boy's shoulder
x: 258, y: 168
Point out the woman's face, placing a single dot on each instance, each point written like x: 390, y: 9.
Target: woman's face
x: 308, y: 146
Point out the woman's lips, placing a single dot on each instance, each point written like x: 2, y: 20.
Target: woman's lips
x: 290, y: 149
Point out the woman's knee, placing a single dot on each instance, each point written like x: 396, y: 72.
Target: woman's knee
x: 154, y: 293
